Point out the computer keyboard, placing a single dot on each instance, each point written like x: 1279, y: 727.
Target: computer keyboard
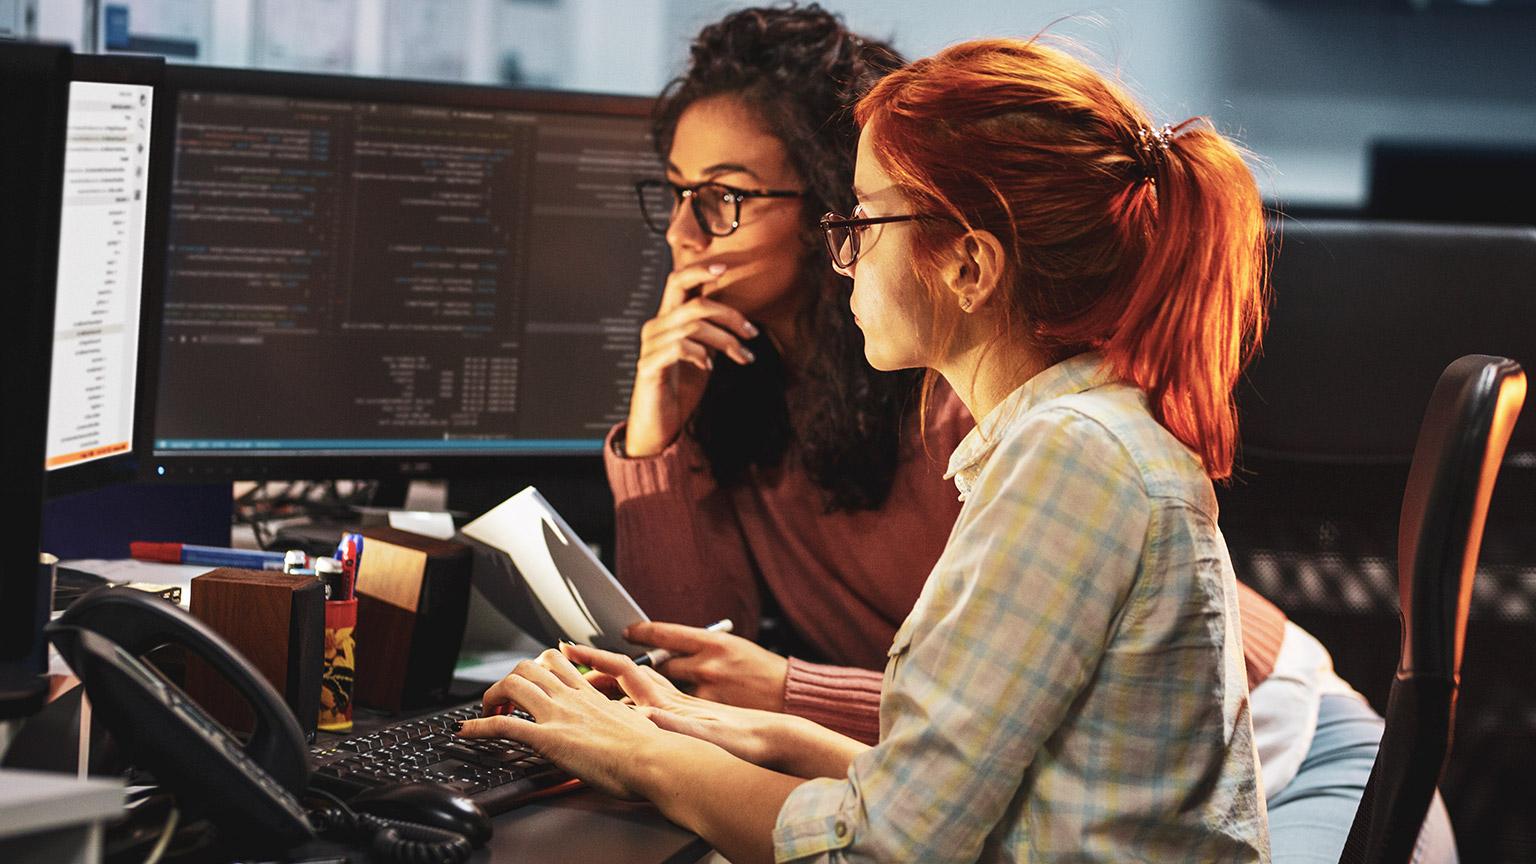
x: 496, y: 773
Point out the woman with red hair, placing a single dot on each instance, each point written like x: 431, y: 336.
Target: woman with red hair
x: 1070, y: 683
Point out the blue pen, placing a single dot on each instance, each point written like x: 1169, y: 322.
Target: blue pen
x: 211, y: 556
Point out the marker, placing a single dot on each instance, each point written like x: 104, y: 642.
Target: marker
x: 211, y: 556
x: 330, y: 572
x: 350, y: 553
x: 657, y: 656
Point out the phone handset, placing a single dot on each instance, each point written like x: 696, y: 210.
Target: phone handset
x: 249, y: 792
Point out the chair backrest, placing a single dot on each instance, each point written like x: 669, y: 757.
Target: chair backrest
x: 1461, y: 445
x: 1366, y: 314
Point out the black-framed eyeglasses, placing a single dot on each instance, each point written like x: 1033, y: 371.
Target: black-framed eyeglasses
x: 716, y: 206
x: 843, y: 234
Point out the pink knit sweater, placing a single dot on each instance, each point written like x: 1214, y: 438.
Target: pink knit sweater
x: 693, y: 553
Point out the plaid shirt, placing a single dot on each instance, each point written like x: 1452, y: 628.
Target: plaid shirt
x: 1070, y: 685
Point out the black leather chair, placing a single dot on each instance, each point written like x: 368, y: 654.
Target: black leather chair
x: 1460, y: 448
x: 1366, y: 316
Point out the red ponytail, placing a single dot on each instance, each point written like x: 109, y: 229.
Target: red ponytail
x: 1145, y: 245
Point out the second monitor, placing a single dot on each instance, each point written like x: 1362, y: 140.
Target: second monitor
x: 111, y: 244
x: 376, y: 278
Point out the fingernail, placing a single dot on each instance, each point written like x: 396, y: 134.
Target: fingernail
x: 750, y: 330
x: 716, y: 269
x: 748, y: 355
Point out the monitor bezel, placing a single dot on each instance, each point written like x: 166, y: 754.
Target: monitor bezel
x: 148, y: 71
x: 385, y: 465
x: 31, y: 180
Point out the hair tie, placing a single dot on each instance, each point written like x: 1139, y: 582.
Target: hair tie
x: 1151, y: 149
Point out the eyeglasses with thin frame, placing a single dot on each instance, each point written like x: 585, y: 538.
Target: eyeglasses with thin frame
x: 716, y: 206
x: 843, y: 234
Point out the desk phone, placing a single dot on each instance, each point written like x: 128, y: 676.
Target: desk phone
x: 251, y: 792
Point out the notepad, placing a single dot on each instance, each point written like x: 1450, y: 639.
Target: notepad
x: 581, y: 596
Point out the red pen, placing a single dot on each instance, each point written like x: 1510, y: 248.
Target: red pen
x: 350, y: 553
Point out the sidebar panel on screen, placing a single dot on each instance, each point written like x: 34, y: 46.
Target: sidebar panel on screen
x: 101, y: 252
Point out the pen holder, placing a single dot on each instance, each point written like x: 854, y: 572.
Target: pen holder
x: 338, y: 675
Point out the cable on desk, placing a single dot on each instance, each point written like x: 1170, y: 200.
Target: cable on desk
x: 276, y: 502
x: 166, y: 833
x: 397, y: 841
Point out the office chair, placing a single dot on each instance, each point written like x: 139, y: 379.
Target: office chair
x: 1460, y: 448
x: 1366, y: 316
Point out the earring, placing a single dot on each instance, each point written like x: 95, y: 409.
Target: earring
x: 965, y: 304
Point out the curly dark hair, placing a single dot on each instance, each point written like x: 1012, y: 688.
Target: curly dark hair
x: 801, y: 71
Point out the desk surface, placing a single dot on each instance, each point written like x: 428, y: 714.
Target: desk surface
x: 579, y: 827
x: 586, y: 827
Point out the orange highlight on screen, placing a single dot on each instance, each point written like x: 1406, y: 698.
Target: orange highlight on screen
x: 87, y: 454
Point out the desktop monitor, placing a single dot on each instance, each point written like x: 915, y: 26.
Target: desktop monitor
x: 111, y: 247
x: 369, y: 278
x: 35, y: 80
x: 1442, y: 182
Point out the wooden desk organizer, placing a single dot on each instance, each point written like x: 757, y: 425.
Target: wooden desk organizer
x: 412, y: 602
x: 277, y: 620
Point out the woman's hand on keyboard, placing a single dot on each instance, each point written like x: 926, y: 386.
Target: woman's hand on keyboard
x: 771, y: 739
x: 574, y: 726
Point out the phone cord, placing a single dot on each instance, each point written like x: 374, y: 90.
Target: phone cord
x: 397, y: 841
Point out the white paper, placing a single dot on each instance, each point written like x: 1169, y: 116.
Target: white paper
x: 587, y: 604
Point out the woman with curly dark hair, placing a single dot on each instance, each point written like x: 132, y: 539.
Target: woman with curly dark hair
x: 765, y: 467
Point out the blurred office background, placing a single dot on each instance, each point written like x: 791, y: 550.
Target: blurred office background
x: 1310, y: 85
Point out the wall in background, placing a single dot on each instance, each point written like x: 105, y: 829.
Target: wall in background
x: 1307, y: 84
x: 593, y: 45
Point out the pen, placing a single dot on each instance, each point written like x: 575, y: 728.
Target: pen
x: 350, y: 553
x: 657, y: 656
x: 212, y: 556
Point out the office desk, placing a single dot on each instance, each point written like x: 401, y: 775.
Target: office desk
x: 582, y: 826
x: 579, y: 827
x: 588, y: 827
